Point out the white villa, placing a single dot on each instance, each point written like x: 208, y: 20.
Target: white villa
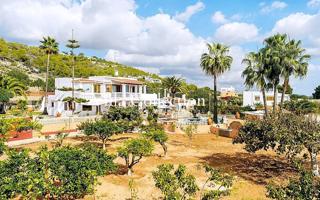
x: 100, y: 92
x: 251, y: 98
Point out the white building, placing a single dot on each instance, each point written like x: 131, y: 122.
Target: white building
x: 228, y: 92
x: 100, y: 92
x: 251, y: 98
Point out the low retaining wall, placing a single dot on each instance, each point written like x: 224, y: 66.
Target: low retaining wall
x: 14, y: 136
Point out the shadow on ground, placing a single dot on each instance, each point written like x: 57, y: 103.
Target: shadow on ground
x: 256, y: 168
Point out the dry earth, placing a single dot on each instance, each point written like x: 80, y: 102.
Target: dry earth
x: 252, y: 171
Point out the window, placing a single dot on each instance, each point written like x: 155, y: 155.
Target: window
x: 96, y: 88
x: 86, y: 108
x: 108, y: 88
x: 66, y: 106
x: 52, y: 104
x: 270, y: 98
x: 116, y: 88
x: 257, y: 98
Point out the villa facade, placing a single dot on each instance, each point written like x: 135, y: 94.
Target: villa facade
x: 228, y: 92
x: 252, y: 98
x: 97, y: 94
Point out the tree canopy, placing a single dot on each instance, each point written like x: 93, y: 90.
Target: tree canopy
x: 289, y: 134
x: 316, y: 94
x: 134, y: 150
x: 103, y: 129
x: 62, y: 173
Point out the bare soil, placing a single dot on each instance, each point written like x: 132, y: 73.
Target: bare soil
x: 252, y: 171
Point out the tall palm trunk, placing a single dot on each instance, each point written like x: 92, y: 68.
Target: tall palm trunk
x: 73, y: 103
x: 215, y: 102
x: 275, y: 98
x: 45, y: 110
x: 284, y: 90
x: 264, y: 102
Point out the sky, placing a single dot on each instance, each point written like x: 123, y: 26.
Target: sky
x: 168, y: 36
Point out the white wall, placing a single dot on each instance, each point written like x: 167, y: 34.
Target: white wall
x: 249, y: 98
x: 62, y: 82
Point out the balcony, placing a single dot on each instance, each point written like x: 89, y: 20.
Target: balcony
x: 109, y: 95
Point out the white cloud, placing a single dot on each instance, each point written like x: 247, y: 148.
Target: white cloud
x: 313, y: 3
x: 276, y: 5
x: 219, y: 18
x: 233, y: 77
x: 300, y: 26
x: 236, y: 33
x: 189, y: 12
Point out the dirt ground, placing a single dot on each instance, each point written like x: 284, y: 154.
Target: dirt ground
x: 252, y: 171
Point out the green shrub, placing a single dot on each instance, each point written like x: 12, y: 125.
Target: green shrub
x: 63, y: 173
x: 129, y: 117
x: 175, y: 184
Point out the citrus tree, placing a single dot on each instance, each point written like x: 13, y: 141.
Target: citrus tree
x: 63, y: 173
x: 157, y: 134
x: 134, y: 150
x: 305, y: 187
x: 288, y: 134
x: 103, y: 129
x: 175, y: 184
x: 129, y: 117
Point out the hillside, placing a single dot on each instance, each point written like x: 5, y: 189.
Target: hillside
x: 32, y: 61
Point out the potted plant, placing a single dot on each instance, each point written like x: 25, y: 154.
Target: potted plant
x: 172, y: 127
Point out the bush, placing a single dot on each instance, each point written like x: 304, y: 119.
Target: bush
x: 305, y: 187
x: 3, y: 147
x: 301, y: 106
x: 175, y: 184
x: 129, y: 116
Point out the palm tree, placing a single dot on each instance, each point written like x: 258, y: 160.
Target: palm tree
x: 49, y: 46
x: 255, y: 74
x: 273, y: 55
x: 294, y: 63
x: 173, y: 85
x: 9, y: 88
x: 73, y: 44
x: 214, y: 63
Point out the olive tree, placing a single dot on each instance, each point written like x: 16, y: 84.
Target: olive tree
x: 288, y: 134
x: 134, y: 150
x: 103, y: 129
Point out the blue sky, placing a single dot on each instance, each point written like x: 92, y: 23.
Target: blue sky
x: 168, y: 36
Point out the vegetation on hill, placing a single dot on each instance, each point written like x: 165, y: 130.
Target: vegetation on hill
x: 32, y: 60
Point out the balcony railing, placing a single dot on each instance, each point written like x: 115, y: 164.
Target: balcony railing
x: 109, y: 95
